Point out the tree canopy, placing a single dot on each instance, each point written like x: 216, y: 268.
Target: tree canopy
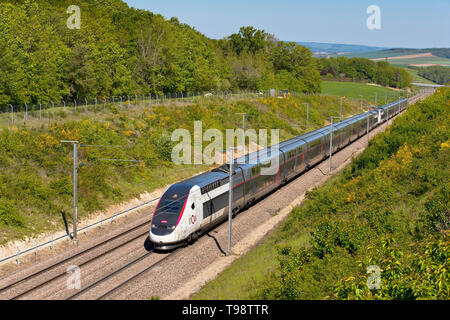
x: 381, y: 72
x: 121, y: 50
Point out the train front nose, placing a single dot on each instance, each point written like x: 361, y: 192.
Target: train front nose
x: 162, y: 227
x: 168, y: 214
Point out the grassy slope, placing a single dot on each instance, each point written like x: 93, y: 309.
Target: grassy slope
x: 389, y: 208
x: 416, y: 78
x: 35, y: 175
x: 355, y: 89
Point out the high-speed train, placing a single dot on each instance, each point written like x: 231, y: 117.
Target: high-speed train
x: 189, y: 208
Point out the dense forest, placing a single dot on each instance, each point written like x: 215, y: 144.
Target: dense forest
x: 381, y: 72
x: 121, y: 51
x: 437, y: 74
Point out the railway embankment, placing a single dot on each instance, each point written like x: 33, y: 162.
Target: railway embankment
x: 388, y: 209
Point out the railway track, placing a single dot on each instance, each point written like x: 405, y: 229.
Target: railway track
x: 22, y: 285
x: 123, y: 283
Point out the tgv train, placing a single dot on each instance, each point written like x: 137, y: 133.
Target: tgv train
x: 189, y: 208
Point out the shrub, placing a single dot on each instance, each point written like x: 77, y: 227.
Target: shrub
x: 9, y: 214
x: 437, y: 209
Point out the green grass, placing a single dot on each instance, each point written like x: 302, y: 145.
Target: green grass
x: 389, y: 208
x: 354, y: 90
x: 416, y: 78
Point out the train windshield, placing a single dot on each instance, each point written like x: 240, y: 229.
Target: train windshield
x: 170, y: 208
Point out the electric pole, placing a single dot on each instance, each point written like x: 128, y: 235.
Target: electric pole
x: 75, y: 188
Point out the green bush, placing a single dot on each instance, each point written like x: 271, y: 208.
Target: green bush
x: 9, y: 214
x: 437, y: 209
x: 332, y: 234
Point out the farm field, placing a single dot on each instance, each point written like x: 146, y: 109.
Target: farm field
x: 421, y: 61
x: 405, y: 57
x: 389, y: 208
x: 376, y: 54
x: 354, y: 90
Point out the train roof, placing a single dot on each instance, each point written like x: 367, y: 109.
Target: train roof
x: 205, y: 178
x: 221, y: 172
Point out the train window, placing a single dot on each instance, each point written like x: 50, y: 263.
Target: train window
x: 210, y: 187
x: 193, y: 206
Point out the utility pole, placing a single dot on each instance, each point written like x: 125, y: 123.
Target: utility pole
x: 77, y: 145
x: 341, y: 106
x: 361, y: 102
x: 243, y: 130
x: 75, y: 188
x: 368, y: 120
x: 307, y: 117
x: 230, y: 199
x: 12, y: 113
x: 331, y: 144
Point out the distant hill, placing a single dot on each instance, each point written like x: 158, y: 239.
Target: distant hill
x: 404, y: 57
x: 325, y: 49
x: 376, y: 54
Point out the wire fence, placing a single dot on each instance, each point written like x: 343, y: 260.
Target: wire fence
x: 40, y: 111
x: 25, y: 111
x: 69, y: 235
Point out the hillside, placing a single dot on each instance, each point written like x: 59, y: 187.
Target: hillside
x: 409, y: 57
x: 389, y: 208
x: 324, y: 49
x: 121, y: 51
x: 395, y: 52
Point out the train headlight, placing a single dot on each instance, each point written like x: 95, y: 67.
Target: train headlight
x: 153, y: 225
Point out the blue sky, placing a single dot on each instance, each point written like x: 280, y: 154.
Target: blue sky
x: 404, y: 23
